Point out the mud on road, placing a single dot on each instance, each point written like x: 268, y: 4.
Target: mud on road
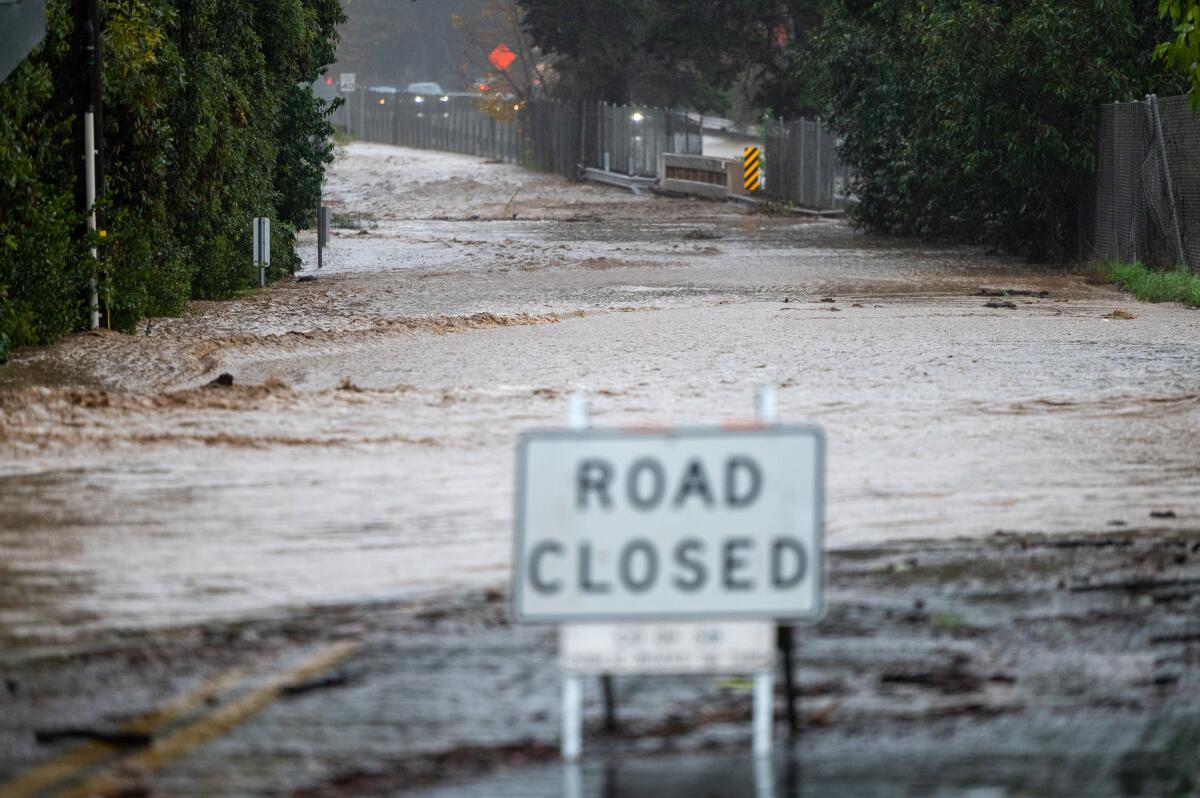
x: 172, y: 524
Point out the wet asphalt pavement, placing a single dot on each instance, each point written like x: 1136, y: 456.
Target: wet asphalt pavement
x: 1012, y: 666
x: 319, y: 549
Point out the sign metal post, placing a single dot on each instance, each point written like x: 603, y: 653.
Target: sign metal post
x: 572, y: 686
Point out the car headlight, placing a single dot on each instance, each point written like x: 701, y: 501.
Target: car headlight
x: 418, y: 99
x: 445, y: 98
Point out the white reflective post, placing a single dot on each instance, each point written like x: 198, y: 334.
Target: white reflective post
x: 89, y: 172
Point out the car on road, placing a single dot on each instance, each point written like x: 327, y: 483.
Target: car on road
x: 427, y: 92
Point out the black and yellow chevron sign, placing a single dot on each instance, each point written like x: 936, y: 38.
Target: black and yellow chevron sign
x: 752, y: 168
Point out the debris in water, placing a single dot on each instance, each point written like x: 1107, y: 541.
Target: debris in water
x: 223, y: 381
x: 124, y: 739
x: 306, y: 278
x: 1121, y: 315
x: 1182, y: 638
x: 312, y: 685
x: 828, y: 299
x: 1163, y: 514
x: 1133, y: 585
x: 822, y: 716
x: 952, y: 679
x: 1004, y: 292
x: 999, y: 303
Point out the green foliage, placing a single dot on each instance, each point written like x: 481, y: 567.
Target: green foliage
x: 1150, y: 285
x: 975, y: 119
x: 1181, y: 52
x: 208, y: 122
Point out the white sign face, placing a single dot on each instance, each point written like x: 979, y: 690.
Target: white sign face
x: 348, y: 82
x: 701, y: 524
x: 673, y: 648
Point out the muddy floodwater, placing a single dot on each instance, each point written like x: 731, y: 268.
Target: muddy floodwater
x: 364, y: 451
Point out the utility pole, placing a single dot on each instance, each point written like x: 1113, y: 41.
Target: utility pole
x: 89, y: 114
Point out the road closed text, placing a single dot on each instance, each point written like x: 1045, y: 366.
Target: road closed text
x: 669, y: 525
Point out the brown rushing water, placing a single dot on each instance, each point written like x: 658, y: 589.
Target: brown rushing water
x: 365, y: 450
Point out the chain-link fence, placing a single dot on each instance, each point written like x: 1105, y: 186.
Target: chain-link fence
x: 630, y: 139
x: 802, y: 165
x: 541, y: 134
x: 1147, y: 184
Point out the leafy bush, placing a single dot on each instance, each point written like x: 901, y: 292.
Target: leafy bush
x: 1151, y: 285
x: 208, y: 121
x: 975, y: 119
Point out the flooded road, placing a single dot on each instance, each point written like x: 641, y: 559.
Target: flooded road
x: 364, y: 451
x: 1014, y: 666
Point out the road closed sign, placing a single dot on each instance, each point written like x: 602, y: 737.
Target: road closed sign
x: 706, y: 523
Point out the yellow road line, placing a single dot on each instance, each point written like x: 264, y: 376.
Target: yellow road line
x: 219, y: 722
x: 88, y: 754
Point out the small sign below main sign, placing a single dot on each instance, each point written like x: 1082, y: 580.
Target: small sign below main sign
x: 667, y: 648
x: 701, y: 524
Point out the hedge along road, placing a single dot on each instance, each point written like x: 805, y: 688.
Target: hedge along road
x: 364, y: 451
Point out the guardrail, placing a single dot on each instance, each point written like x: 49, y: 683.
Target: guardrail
x: 698, y: 175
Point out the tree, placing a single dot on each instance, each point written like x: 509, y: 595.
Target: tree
x: 596, y: 41
x: 670, y: 52
x: 500, y: 23
x: 975, y: 120
x: 1182, y: 51
x: 396, y: 42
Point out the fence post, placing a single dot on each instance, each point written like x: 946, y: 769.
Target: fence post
x: 1152, y: 101
x: 803, y: 125
x: 819, y: 137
